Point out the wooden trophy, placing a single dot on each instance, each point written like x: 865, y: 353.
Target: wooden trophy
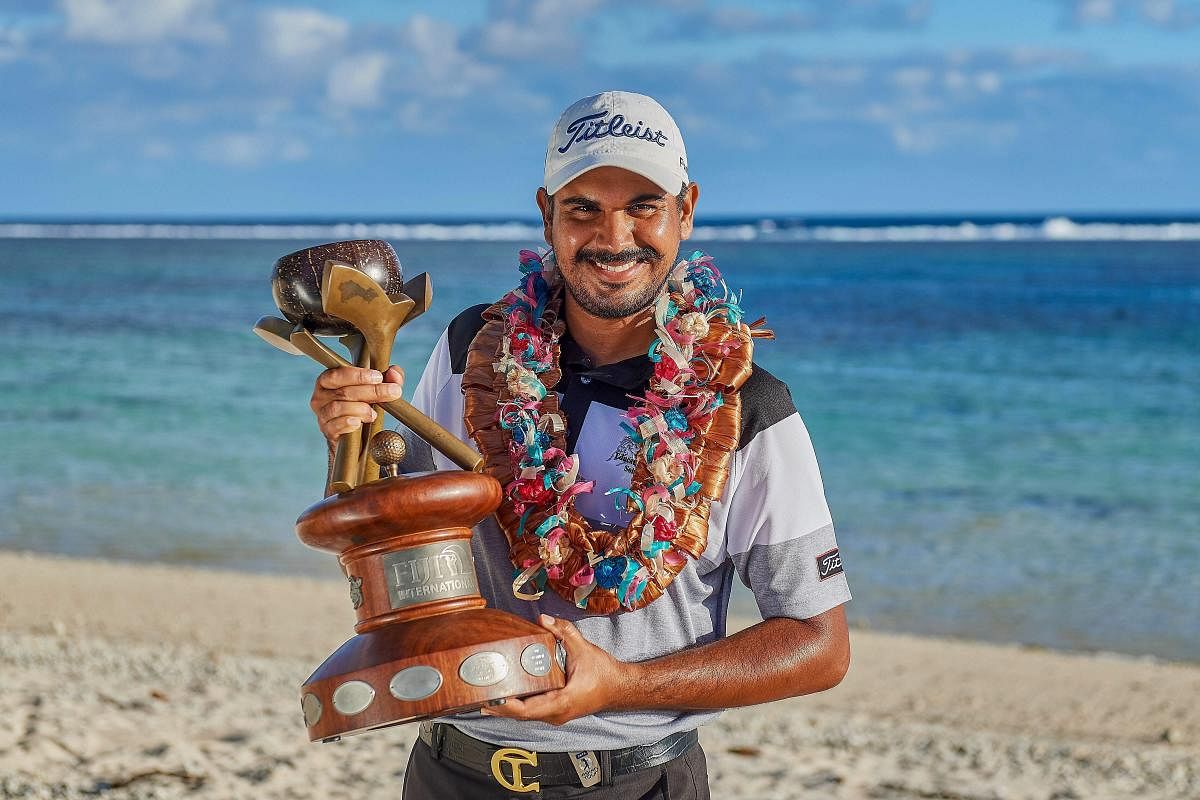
x: 425, y: 643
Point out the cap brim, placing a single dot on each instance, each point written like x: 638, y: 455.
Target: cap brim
x: 669, y: 180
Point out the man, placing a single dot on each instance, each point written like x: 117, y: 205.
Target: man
x: 646, y: 670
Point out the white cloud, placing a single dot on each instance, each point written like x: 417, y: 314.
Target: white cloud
x: 299, y: 36
x: 252, y: 149
x: 987, y: 82
x: 135, y: 21
x: 829, y: 74
x: 928, y: 136
x: 357, y: 81
x: 708, y: 21
x: 157, y: 149
x: 530, y: 31
x: 12, y: 44
x: 1169, y: 14
x: 441, y: 68
x: 912, y: 78
x: 1095, y: 10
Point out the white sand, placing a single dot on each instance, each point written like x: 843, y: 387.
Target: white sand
x: 121, y: 680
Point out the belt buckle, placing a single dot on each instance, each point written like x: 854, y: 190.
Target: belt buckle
x: 515, y: 758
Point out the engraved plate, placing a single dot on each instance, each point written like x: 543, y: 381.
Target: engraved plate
x: 353, y: 696
x: 437, y: 571
x: 560, y: 653
x: 312, y: 709
x: 484, y: 669
x: 415, y: 683
x: 535, y: 659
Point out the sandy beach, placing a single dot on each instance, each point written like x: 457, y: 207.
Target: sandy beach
x: 121, y: 680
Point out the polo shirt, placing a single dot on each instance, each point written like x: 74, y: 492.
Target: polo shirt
x: 771, y: 529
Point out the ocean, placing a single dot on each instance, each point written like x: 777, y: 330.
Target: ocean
x: 1006, y: 410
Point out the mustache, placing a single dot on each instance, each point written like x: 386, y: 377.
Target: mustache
x: 608, y: 259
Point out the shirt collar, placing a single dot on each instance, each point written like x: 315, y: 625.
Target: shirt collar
x: 630, y: 374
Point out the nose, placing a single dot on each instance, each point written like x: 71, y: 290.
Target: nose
x: 614, y: 232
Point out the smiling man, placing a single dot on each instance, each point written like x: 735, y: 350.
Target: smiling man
x: 627, y: 375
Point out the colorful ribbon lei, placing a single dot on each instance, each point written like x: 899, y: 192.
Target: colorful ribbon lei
x: 685, y: 428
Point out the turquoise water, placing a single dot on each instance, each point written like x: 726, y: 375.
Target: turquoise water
x: 1009, y: 432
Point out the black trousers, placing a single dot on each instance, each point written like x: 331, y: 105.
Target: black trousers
x: 427, y: 778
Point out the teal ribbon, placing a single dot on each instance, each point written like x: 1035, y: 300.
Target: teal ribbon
x: 631, y: 568
x: 655, y: 548
x: 547, y: 525
x: 632, y: 494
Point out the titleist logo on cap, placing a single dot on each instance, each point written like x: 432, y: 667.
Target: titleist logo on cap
x: 595, y: 126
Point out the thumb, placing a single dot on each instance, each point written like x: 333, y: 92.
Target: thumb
x: 393, y: 374
x: 561, y: 629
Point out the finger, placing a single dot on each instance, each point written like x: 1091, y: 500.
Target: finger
x: 553, y: 707
x: 345, y: 408
x: 340, y: 426
x: 513, y: 708
x: 338, y: 377
x: 542, y: 706
x: 394, y: 374
x: 364, y: 392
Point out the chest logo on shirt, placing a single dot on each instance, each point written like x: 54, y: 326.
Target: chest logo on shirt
x: 625, y: 454
x: 607, y: 456
x: 829, y: 564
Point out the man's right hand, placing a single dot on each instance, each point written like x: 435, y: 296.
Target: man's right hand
x: 343, y: 396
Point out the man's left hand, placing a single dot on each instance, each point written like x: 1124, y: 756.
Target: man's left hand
x: 593, y: 678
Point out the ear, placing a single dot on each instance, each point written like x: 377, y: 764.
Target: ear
x: 543, y: 201
x: 687, y: 211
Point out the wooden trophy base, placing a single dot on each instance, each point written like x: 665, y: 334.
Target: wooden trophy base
x: 510, y: 656
x: 426, y: 645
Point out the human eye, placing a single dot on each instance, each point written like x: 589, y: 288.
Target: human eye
x: 645, y: 209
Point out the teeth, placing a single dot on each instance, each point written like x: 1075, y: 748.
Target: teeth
x: 617, y: 267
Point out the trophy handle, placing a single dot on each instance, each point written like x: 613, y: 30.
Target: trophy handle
x: 297, y: 340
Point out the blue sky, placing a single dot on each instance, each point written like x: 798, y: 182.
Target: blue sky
x: 228, y: 108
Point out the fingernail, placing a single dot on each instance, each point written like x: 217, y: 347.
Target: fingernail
x: 394, y: 389
x: 374, y: 376
x: 546, y: 619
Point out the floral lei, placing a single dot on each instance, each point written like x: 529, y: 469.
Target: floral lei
x: 685, y: 427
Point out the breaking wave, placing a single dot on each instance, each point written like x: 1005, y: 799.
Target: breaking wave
x: 849, y: 230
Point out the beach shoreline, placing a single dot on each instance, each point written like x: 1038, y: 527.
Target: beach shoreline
x: 188, y: 681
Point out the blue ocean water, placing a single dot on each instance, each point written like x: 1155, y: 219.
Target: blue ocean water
x: 1008, y: 426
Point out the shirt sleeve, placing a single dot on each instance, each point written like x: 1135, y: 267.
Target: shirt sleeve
x: 437, y: 373
x: 779, y: 533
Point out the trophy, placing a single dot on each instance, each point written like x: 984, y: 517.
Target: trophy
x: 425, y: 643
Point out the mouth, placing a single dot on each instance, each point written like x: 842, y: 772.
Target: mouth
x: 618, y: 272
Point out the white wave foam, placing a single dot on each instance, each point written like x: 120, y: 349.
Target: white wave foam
x: 1054, y: 229
x: 767, y: 230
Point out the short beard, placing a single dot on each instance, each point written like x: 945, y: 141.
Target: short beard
x: 607, y: 307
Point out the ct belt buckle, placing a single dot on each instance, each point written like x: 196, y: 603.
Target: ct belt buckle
x: 515, y: 758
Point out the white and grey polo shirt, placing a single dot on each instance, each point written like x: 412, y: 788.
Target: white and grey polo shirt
x: 771, y: 528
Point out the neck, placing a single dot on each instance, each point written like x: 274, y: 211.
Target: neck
x: 608, y: 341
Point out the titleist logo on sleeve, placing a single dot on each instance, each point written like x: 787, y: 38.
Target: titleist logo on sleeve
x: 595, y: 126
x: 829, y: 564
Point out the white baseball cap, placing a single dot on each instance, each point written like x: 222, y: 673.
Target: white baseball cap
x: 616, y: 129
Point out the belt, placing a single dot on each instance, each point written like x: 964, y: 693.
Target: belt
x: 522, y: 770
